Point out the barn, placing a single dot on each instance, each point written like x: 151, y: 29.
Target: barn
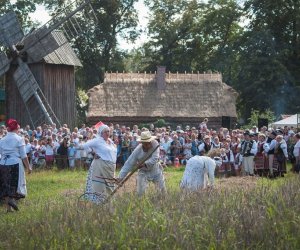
x: 55, y: 75
x: 138, y: 98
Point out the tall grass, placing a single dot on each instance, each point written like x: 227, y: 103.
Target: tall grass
x: 265, y: 217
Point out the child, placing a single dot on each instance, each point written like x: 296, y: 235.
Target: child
x: 222, y: 170
x: 71, y: 156
x: 238, y: 164
x: 49, y: 154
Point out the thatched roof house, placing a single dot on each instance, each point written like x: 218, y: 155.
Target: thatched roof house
x: 134, y: 98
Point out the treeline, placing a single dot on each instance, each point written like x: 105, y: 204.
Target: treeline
x: 254, y: 44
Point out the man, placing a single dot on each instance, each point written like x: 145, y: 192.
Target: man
x: 151, y: 170
x: 248, y: 149
x: 206, y: 146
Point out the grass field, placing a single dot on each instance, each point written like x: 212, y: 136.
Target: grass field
x: 263, y: 215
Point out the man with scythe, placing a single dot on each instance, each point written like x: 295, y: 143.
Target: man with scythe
x: 150, y: 170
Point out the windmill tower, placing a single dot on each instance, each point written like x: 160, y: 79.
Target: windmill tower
x: 19, y: 52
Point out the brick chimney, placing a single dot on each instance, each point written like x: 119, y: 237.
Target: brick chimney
x: 161, y: 77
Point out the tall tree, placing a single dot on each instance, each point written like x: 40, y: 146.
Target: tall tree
x: 97, y: 45
x: 268, y: 71
x: 22, y: 8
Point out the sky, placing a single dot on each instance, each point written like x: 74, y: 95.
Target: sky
x: 42, y: 16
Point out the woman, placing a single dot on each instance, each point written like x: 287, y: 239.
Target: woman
x: 280, y: 155
x: 197, y: 168
x: 13, y: 160
x: 103, y: 166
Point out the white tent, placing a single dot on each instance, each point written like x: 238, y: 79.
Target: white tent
x: 289, y: 121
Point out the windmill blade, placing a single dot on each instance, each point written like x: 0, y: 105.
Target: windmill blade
x: 10, y: 29
x: 25, y: 81
x: 37, y: 45
x: 4, y: 63
x: 28, y: 87
x: 56, y: 22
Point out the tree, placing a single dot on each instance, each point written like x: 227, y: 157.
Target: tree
x: 22, y: 8
x: 255, y: 115
x: 97, y: 45
x: 268, y: 56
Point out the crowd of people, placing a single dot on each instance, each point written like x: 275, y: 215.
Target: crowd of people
x: 243, y: 152
x: 102, y: 148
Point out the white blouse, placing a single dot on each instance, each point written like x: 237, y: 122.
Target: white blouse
x: 194, y: 173
x: 12, y: 149
x: 106, y: 151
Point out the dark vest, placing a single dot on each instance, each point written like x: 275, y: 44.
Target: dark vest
x: 246, y: 147
x: 207, y: 147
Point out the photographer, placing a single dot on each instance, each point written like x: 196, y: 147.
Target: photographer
x: 62, y: 153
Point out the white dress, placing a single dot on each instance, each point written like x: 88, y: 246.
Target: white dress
x: 196, y: 169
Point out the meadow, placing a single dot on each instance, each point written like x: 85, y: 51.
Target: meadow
x: 234, y: 215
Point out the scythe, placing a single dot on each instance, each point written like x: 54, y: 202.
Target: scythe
x: 120, y: 184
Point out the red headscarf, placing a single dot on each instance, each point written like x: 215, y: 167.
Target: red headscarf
x: 12, y: 125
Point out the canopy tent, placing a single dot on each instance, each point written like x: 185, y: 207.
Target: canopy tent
x: 289, y: 121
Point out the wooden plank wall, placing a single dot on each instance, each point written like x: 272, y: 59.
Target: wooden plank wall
x: 59, y: 89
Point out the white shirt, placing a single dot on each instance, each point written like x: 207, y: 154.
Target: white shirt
x: 253, y: 149
x: 49, y: 150
x: 166, y: 146
x: 153, y: 166
x: 12, y: 149
x: 28, y: 148
x: 297, y: 149
x: 196, y: 168
x: 106, y: 151
x: 283, y: 146
x: 272, y: 144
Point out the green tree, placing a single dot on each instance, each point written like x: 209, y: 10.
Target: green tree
x: 97, y: 44
x: 256, y: 114
x: 22, y: 8
x: 268, y: 56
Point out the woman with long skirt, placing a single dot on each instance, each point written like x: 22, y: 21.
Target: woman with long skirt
x: 12, y: 163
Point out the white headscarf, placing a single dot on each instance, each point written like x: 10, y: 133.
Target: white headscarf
x: 101, y: 128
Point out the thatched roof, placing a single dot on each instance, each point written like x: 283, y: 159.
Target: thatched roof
x: 184, y: 95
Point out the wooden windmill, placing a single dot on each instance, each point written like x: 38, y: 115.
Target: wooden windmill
x: 19, y: 52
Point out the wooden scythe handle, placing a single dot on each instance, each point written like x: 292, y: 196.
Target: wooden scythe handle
x: 133, y: 171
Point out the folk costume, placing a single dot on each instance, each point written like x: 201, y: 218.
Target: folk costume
x: 196, y: 170
x: 151, y: 171
x: 12, y: 173
x: 272, y: 142
x: 261, y: 160
x: 222, y: 170
x: 280, y: 157
x: 102, y: 169
x: 206, y: 146
x: 248, y: 149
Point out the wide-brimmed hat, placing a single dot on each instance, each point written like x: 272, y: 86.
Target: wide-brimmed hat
x: 146, y: 137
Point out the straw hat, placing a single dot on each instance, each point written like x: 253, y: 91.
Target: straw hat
x: 146, y: 137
